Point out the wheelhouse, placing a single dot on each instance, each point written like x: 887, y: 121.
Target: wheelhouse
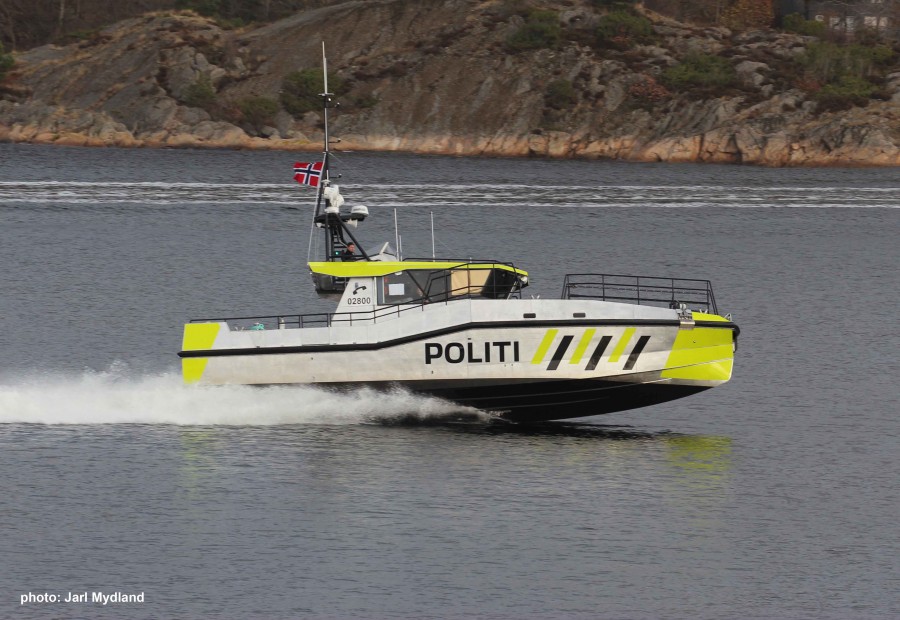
x: 420, y: 281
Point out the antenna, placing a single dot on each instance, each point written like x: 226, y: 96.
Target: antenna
x: 432, y: 235
x: 324, y: 68
x: 397, y: 235
x: 326, y: 99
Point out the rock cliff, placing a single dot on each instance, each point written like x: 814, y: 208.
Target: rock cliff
x: 438, y: 77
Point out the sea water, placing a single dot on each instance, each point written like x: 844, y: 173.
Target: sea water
x: 772, y: 496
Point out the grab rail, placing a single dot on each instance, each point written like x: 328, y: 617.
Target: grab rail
x: 641, y: 290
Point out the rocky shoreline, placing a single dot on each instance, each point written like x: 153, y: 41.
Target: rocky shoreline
x: 436, y: 81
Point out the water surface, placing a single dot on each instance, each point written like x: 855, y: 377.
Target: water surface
x: 772, y: 496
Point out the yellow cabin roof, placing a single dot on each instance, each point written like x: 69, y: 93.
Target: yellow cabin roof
x: 362, y: 269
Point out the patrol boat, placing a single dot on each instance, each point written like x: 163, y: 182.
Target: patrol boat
x: 461, y: 330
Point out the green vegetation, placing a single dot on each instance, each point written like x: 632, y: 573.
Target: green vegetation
x: 301, y: 90
x: 83, y: 35
x: 828, y: 62
x: 870, y: 37
x: 646, y: 91
x: 258, y: 111
x: 749, y: 14
x: 508, y: 8
x: 560, y: 94
x: 207, y: 8
x: 200, y: 94
x: 6, y: 62
x: 623, y: 29
x: 847, y: 92
x: 700, y: 70
x: 613, y: 4
x: 840, y: 76
x: 365, y: 101
x: 848, y: 86
x: 795, y: 23
x: 228, y: 15
x: 225, y: 12
x: 541, y: 30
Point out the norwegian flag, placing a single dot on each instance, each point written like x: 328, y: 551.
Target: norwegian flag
x: 308, y: 174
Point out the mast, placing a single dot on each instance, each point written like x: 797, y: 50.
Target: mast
x: 328, y: 200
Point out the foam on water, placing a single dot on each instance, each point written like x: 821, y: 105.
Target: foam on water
x: 449, y: 194
x: 116, y: 397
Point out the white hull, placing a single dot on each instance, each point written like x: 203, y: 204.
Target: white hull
x: 525, y: 358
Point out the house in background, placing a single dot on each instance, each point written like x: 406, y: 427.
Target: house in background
x: 846, y: 15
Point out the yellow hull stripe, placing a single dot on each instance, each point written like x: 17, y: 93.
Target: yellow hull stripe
x: 197, y: 337
x: 192, y: 368
x: 544, y: 346
x: 703, y: 316
x: 620, y: 346
x: 701, y: 354
x: 582, y: 346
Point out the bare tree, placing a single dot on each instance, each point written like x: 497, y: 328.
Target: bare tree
x: 694, y: 11
x: 7, y: 23
x: 62, y: 16
x: 27, y: 23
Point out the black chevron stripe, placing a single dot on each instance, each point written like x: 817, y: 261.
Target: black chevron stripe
x: 560, y: 351
x: 636, y: 352
x: 598, y: 352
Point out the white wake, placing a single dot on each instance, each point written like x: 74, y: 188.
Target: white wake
x: 114, y: 397
x: 429, y: 195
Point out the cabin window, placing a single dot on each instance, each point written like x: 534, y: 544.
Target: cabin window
x: 431, y: 285
x: 468, y: 281
x: 413, y: 286
x: 501, y: 284
x: 398, y: 288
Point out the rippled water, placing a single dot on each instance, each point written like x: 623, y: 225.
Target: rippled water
x: 772, y: 496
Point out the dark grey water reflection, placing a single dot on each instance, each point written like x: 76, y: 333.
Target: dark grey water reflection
x: 773, y: 496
